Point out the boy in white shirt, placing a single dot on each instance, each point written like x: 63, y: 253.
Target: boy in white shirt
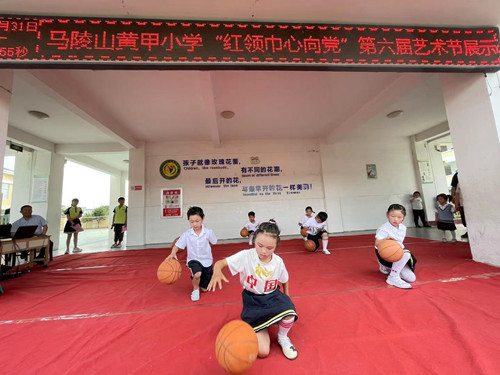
x: 251, y: 226
x: 199, y: 253
x: 315, y: 227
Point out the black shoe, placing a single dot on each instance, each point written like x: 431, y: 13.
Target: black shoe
x: 464, y: 235
x: 427, y: 226
x: 418, y: 226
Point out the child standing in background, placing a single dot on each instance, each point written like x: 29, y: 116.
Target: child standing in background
x: 73, y: 214
x: 445, y: 217
x: 309, y: 212
x: 199, y: 253
x: 119, y: 222
x: 251, y: 226
x: 417, y: 205
x: 315, y: 227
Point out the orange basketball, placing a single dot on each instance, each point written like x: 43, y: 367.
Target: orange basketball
x: 236, y: 347
x: 390, y: 250
x: 169, y: 271
x: 244, y: 232
x: 303, y: 232
x: 309, y: 245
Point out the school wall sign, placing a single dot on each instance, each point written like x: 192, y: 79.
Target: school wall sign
x: 99, y: 43
x: 170, y: 169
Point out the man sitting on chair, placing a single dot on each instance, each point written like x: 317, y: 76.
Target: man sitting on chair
x: 29, y: 219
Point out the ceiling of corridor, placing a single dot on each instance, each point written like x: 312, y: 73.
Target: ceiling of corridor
x: 117, y: 110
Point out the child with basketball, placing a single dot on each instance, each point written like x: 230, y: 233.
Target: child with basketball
x: 315, y: 227
x: 264, y: 304
x: 309, y: 212
x: 199, y: 253
x: 251, y: 226
x: 401, y: 273
x: 445, y: 216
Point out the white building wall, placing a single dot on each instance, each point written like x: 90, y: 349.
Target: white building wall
x: 337, y: 172
x: 474, y: 126
x: 354, y: 201
x: 226, y: 208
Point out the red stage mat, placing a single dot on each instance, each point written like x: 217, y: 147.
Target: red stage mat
x: 106, y: 313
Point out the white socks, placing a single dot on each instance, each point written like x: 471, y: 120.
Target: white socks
x: 399, y: 265
x: 325, y: 243
x: 284, y: 326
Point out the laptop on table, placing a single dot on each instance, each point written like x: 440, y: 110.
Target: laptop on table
x: 25, y: 232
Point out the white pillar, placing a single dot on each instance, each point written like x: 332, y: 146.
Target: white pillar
x: 21, y: 188
x: 55, y: 197
x: 136, y: 208
x: 6, y: 81
x: 474, y: 131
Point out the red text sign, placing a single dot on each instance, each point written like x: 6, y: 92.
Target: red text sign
x: 99, y: 43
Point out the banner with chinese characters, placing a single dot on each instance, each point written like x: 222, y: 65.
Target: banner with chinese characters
x: 171, y: 203
x: 67, y: 42
x: 242, y: 177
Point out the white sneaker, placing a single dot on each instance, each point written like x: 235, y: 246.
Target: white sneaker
x: 77, y: 250
x: 385, y: 270
x: 195, y: 295
x: 325, y: 251
x: 443, y: 239
x: 66, y: 252
x: 113, y: 246
x: 397, y: 282
x: 250, y: 243
x: 288, y: 349
x: 453, y: 240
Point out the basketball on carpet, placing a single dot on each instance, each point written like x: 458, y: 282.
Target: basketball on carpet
x: 236, y: 347
x: 169, y: 271
x: 310, y: 245
x: 303, y: 232
x: 244, y: 232
x: 390, y: 250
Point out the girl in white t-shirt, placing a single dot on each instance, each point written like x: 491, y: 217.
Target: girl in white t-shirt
x: 260, y: 271
x: 309, y: 212
x: 400, y: 273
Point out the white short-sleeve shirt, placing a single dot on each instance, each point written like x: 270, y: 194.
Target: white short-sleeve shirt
x: 417, y: 204
x: 33, y: 220
x: 314, y: 226
x: 198, y: 247
x: 304, y: 219
x: 252, y: 226
x: 388, y: 230
x: 256, y: 276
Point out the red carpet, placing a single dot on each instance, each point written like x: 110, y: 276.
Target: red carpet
x: 105, y: 313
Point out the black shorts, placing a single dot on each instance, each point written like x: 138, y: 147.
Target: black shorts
x: 263, y: 310
x: 411, y: 262
x: 206, y: 272
x: 316, y: 237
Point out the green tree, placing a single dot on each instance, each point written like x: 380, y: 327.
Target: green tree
x: 100, y: 213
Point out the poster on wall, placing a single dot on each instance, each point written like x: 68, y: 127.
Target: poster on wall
x: 425, y: 172
x: 40, y: 189
x: 171, y: 203
x: 371, y: 170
